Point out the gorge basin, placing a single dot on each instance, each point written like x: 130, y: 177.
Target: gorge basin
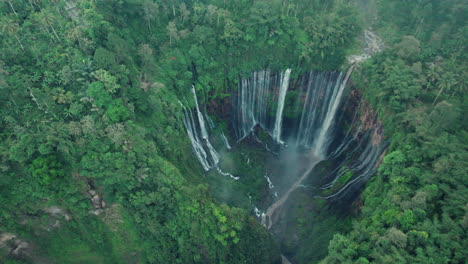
x: 294, y: 171
x: 313, y: 127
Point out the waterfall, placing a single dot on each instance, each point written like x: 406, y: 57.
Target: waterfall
x: 201, y: 144
x: 279, y: 112
x: 260, y: 101
x: 210, y: 121
x: 251, y: 103
x: 322, y: 139
x: 225, y: 140
x: 202, y: 147
x: 213, y: 153
x: 197, y: 144
x: 200, y: 115
x: 319, y: 96
x: 309, y: 126
x: 318, y: 88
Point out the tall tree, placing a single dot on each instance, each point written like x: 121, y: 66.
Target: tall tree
x: 150, y: 11
x: 211, y: 11
x: 48, y: 19
x: 447, y: 81
x: 433, y: 73
x: 185, y: 13
x: 75, y: 34
x: 11, y: 27
x: 11, y: 6
x: 172, y: 31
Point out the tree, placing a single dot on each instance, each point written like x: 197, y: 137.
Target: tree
x: 211, y: 11
x: 10, y: 27
x: 447, y: 81
x: 62, y: 97
x: 393, y: 164
x: 100, y: 96
x: 444, y: 117
x: 408, y: 48
x: 231, y: 32
x: 397, y: 237
x: 147, y: 58
x: 185, y: 13
x: 117, y: 112
x: 11, y: 6
x: 75, y: 34
x: 48, y: 19
x: 172, y: 32
x: 221, y: 13
x: 104, y: 58
x: 46, y: 169
x: 397, y: 83
x: 110, y: 82
x: 150, y: 11
x: 340, y: 248
x: 432, y: 75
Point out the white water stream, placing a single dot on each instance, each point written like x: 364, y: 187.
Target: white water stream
x: 320, y: 143
x: 279, y: 112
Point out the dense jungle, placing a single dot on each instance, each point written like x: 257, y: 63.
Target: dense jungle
x: 233, y: 131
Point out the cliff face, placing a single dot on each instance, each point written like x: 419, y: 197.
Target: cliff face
x: 220, y: 107
x: 327, y: 198
x: 354, y: 143
x: 367, y: 117
x: 356, y: 151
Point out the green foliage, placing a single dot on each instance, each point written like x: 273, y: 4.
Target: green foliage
x: 103, y: 58
x: 89, y: 97
x: 392, y: 163
x: 109, y: 81
x: 412, y: 210
x: 46, y: 169
x: 407, y: 219
x: 409, y: 48
x: 117, y: 112
x: 86, y: 85
x: 329, y: 34
x: 100, y: 96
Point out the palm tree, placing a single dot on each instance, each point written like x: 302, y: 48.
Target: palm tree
x: 11, y: 27
x: 185, y: 13
x: 222, y: 12
x: 47, y: 18
x: 172, y: 31
x: 11, y: 6
x: 447, y: 81
x: 31, y: 4
x: 462, y: 84
x: 85, y: 71
x: 75, y: 34
x: 432, y: 76
x: 150, y: 12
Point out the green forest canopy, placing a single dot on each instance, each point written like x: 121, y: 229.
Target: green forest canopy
x: 89, y: 102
